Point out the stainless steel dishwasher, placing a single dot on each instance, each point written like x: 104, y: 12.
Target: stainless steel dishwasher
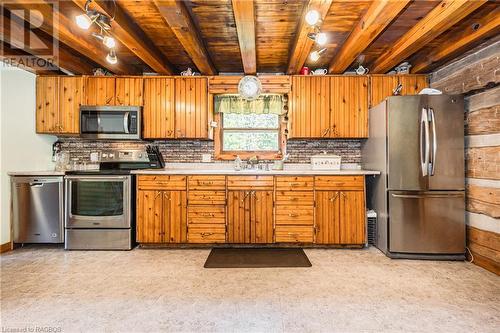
x: 37, y: 209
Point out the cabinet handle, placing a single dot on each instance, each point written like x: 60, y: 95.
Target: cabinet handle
x: 326, y: 131
x: 343, y: 194
x: 334, y: 197
x: 157, y: 194
x: 206, y: 234
x: 246, y: 195
x: 207, y: 214
x: 205, y: 183
x: 167, y: 196
x: 294, y: 184
x: 293, y: 215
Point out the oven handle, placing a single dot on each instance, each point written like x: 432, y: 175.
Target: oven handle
x: 93, y: 178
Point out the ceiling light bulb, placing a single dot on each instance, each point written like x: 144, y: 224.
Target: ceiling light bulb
x: 111, y: 57
x: 321, y: 38
x: 314, y: 56
x: 109, y: 42
x: 312, y: 17
x: 83, y: 21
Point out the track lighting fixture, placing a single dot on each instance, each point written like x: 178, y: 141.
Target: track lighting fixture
x: 103, y: 21
x: 111, y: 57
x: 315, y: 55
x: 312, y: 17
x: 319, y: 38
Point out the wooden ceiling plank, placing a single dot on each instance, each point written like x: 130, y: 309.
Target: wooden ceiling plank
x: 69, y: 34
x: 303, y: 44
x: 177, y: 17
x: 488, y: 25
x: 124, y: 29
x: 12, y: 33
x: 378, y: 16
x: 244, y: 15
x: 440, y: 19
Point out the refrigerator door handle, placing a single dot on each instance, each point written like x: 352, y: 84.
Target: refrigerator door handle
x: 424, y: 142
x: 423, y: 196
x: 434, y: 140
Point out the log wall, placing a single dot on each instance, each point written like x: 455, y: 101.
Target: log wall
x: 477, y: 75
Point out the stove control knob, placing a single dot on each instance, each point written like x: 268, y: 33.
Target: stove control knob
x: 104, y: 155
x: 111, y: 155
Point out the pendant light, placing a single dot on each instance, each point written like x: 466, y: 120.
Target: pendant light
x: 111, y: 57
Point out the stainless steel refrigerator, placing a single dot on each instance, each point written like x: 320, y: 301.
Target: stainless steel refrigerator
x: 417, y: 142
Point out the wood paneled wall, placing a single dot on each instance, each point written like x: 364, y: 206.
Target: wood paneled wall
x: 473, y: 75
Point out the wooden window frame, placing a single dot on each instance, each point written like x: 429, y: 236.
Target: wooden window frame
x: 261, y: 155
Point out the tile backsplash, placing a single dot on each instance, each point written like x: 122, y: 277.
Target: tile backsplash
x: 191, y: 150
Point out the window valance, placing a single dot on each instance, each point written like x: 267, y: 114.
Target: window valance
x: 265, y: 104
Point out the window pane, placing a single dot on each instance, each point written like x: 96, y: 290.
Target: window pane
x: 251, y: 140
x: 235, y: 120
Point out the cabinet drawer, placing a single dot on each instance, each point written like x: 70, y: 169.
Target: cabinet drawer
x: 161, y: 182
x: 207, y: 197
x: 207, y: 214
x: 207, y: 182
x: 207, y: 233
x: 339, y: 182
x: 294, y: 183
x: 250, y: 182
x: 294, y: 198
x: 294, y: 234
x: 295, y: 215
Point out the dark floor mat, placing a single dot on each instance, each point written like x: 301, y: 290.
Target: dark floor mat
x: 256, y: 258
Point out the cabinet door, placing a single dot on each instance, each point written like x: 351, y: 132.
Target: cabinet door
x: 238, y: 211
x: 150, y: 217
x: 191, y: 108
x: 129, y: 91
x: 327, y: 217
x: 412, y: 84
x: 381, y: 86
x: 174, y: 216
x: 70, y: 100
x: 349, y: 107
x: 261, y: 217
x: 47, y: 100
x: 100, y: 90
x: 352, y: 217
x: 309, y: 107
x: 159, y: 108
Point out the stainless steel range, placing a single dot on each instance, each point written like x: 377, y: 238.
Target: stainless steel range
x: 100, y: 205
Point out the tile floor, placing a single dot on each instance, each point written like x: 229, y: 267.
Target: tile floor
x: 162, y: 290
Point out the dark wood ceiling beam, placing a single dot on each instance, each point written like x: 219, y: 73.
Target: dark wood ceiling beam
x: 13, y: 33
x: 71, y: 35
x: 176, y: 15
x: 488, y: 26
x: 124, y: 29
x: 378, y: 16
x: 244, y: 16
x: 303, y: 44
x: 440, y: 19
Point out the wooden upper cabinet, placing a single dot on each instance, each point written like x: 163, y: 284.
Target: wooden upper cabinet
x: 129, y: 91
x: 309, y: 107
x: 100, y: 91
x: 47, y: 104
x: 329, y: 107
x: 191, y: 108
x: 349, y: 107
x: 382, y: 86
x: 58, y: 104
x: 159, y: 108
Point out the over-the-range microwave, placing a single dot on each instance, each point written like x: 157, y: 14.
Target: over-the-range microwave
x: 110, y: 122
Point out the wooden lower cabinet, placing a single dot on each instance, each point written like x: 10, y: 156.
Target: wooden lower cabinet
x: 250, y: 216
x: 206, y: 223
x: 161, y: 216
x: 340, y: 217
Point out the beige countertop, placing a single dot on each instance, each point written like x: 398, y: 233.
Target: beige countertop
x: 228, y: 169
x: 36, y: 173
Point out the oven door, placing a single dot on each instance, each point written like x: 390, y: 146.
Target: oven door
x: 98, y: 201
x: 110, y: 122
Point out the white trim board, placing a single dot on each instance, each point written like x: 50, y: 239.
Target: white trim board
x: 483, y: 182
x: 483, y: 222
x: 487, y: 140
